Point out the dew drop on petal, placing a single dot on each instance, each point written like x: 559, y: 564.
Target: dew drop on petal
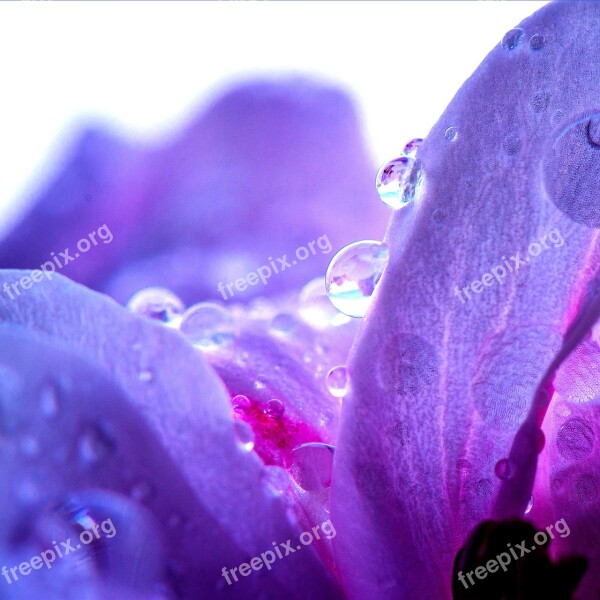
x: 512, y: 38
x: 411, y: 148
x: 96, y: 443
x: 353, y: 274
x: 244, y: 435
x: 156, y: 303
x: 398, y: 181
x: 316, y: 309
x: 537, y: 41
x: 207, y: 325
x: 529, y: 506
x: 240, y: 403
x: 283, y: 324
x: 504, y: 469
x: 336, y: 381
x: 451, y: 134
x: 274, y: 408
x: 311, y: 465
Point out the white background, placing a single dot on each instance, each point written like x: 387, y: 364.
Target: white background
x: 143, y: 66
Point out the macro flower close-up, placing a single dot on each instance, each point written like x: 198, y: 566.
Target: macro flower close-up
x: 244, y: 357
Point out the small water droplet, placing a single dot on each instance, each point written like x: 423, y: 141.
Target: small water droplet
x: 244, y: 435
x: 398, y: 181
x: 156, y: 303
x: 240, y: 403
x: 512, y: 38
x: 96, y: 443
x: 451, y: 134
x: 311, y: 465
x: 316, y: 309
x: 275, y: 408
x: 283, y: 323
x: 260, y: 383
x: 207, y: 325
x: 146, y: 375
x: 439, y: 215
x: 327, y: 505
x: 537, y: 41
x: 49, y: 400
x: 336, y: 381
x: 353, y: 274
x: 504, y: 469
x: 411, y: 148
x: 529, y: 506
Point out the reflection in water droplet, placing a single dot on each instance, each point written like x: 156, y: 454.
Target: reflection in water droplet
x: 311, y: 465
x: 244, y: 435
x: 529, y: 506
x: 316, y: 308
x: 411, y: 148
x: 353, y: 275
x: 451, y: 134
x: 156, y: 303
x: 537, y: 41
x: 512, y: 38
x: 504, y: 469
x: 336, y: 381
x: 96, y: 443
x: 207, y: 325
x: 398, y: 181
x: 275, y: 408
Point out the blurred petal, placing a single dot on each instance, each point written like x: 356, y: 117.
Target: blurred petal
x: 443, y: 377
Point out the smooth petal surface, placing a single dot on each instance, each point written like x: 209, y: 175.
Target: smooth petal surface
x: 446, y: 371
x: 175, y: 412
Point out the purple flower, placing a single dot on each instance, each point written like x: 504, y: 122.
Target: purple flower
x: 218, y: 453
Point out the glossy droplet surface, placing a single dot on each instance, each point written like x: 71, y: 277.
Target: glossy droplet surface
x: 275, y: 408
x: 504, y: 469
x: 529, y: 506
x: 411, y: 148
x: 353, y: 275
x: 512, y: 38
x: 244, y: 435
x: 96, y: 443
x: 451, y: 134
x: 240, y: 403
x: 207, y: 325
x: 156, y: 303
x: 398, y: 181
x: 316, y: 309
x: 311, y: 465
x: 337, y: 380
x: 283, y: 323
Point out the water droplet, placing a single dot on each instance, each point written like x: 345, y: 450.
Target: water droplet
x: 529, y: 506
x: 512, y: 38
x: 353, y: 274
x: 49, y: 400
x: 327, y: 505
x: 316, y: 309
x: 504, y: 469
x: 311, y: 465
x: 275, y: 408
x: 240, y: 403
x: 207, y: 325
x: 260, y: 383
x: 244, y: 435
x: 146, y: 375
x: 96, y: 443
x: 575, y: 439
x: 336, y: 381
x: 398, y: 181
x: 156, y: 303
x: 537, y: 41
x: 451, y: 134
x: 411, y: 148
x: 283, y: 323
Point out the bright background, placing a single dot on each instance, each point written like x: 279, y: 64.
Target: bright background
x: 143, y: 66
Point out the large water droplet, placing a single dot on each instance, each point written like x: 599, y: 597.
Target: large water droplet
x: 275, y: 408
x: 512, y: 38
x: 504, y: 469
x: 96, y: 443
x: 311, y: 465
x: 156, y: 303
x: 244, y: 435
x: 316, y: 308
x: 207, y: 325
x: 353, y: 275
x: 398, y: 181
x: 336, y: 381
